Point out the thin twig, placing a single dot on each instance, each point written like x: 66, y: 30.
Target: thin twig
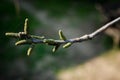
x: 84, y: 37
x: 33, y: 39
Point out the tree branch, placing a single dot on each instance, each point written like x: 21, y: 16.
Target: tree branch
x: 26, y: 38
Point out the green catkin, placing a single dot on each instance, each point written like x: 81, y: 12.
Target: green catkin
x: 11, y: 34
x: 55, y: 48
x: 61, y: 35
x: 26, y: 26
x: 30, y: 49
x: 67, y: 45
x: 23, y: 42
x: 20, y: 42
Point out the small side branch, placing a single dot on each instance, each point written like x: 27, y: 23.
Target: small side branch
x: 26, y: 38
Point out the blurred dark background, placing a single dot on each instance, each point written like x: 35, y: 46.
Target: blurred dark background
x: 74, y: 17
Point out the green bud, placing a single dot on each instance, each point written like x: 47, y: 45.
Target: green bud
x: 55, y: 48
x: 30, y: 49
x: 67, y: 45
x: 26, y: 26
x: 12, y: 34
x: 23, y: 42
x: 62, y: 37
